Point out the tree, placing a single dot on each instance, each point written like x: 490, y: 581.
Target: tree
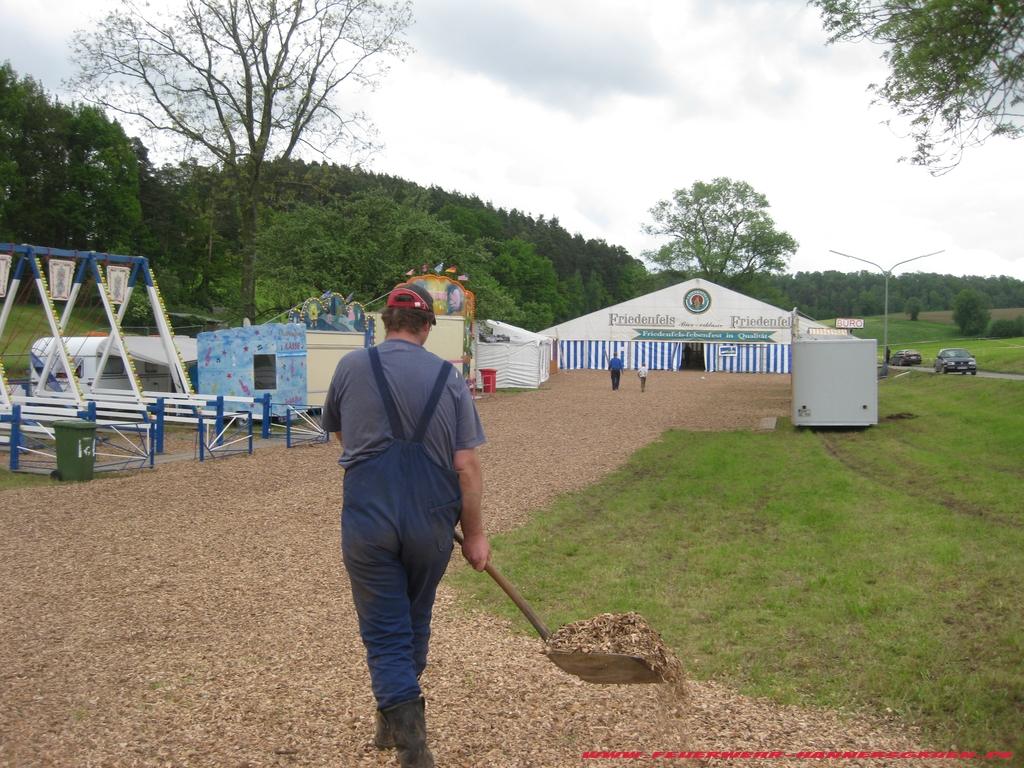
x: 912, y: 307
x: 241, y: 81
x: 190, y: 232
x: 956, y: 69
x: 362, y: 246
x: 573, y: 297
x: 101, y: 197
x: 720, y: 231
x: 970, y: 312
x: 68, y: 175
x: 1005, y: 328
x: 594, y: 294
x: 530, y: 280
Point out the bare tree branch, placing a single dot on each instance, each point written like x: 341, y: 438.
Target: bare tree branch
x: 248, y: 81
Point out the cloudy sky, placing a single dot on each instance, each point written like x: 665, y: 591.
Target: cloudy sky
x: 593, y: 110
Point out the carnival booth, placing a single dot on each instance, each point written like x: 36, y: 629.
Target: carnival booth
x: 334, y: 327
x: 696, y: 325
x: 455, y: 310
x: 521, y: 358
x: 254, y: 360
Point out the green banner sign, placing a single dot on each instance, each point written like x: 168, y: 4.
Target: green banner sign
x: 662, y: 334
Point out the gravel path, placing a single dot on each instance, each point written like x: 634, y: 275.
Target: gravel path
x: 198, y: 614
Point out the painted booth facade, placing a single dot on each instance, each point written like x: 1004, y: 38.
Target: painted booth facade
x: 334, y: 327
x: 254, y: 360
x: 455, y: 308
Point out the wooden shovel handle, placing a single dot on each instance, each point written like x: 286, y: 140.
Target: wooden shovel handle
x: 514, y: 595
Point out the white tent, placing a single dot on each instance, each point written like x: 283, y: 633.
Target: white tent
x: 522, y: 361
x: 693, y: 324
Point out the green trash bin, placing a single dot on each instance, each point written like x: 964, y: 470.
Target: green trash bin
x: 76, y: 449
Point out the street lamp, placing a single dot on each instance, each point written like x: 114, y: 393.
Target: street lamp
x: 885, y: 318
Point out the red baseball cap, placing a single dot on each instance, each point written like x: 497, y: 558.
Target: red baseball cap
x: 412, y: 296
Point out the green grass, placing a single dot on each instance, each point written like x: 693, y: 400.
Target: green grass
x: 872, y: 569
x: 1003, y: 355
x: 10, y: 480
x: 999, y: 355
x: 905, y: 333
x: 28, y: 323
x: 1003, y: 313
x: 935, y: 331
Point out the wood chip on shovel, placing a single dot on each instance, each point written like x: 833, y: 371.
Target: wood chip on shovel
x: 600, y: 647
x: 584, y: 648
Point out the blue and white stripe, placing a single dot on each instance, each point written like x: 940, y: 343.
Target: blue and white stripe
x: 656, y: 355
x: 668, y: 356
x: 593, y: 355
x: 572, y: 355
x: 749, y: 358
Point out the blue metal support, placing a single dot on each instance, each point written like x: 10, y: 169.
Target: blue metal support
x: 159, y: 409
x: 214, y: 445
x: 15, y: 445
x: 265, y: 424
x: 32, y: 250
x: 201, y: 427
x: 219, y: 422
x: 302, y: 428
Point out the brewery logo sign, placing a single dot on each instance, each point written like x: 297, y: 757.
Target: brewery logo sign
x: 697, y: 301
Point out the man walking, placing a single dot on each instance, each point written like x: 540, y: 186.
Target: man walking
x: 409, y: 431
x: 615, y: 366
x: 642, y: 373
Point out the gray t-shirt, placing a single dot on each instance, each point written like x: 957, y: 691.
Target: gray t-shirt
x: 355, y: 408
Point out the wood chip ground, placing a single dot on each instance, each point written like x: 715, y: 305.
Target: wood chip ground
x: 198, y: 614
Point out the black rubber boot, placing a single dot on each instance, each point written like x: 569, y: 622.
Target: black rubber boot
x: 408, y: 724
x: 383, y: 738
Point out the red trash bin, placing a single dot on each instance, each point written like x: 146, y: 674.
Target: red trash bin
x: 490, y: 378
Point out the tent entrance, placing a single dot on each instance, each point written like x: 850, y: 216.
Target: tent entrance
x: 692, y: 358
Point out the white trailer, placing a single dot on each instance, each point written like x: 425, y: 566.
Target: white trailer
x: 835, y: 381
x: 87, y: 352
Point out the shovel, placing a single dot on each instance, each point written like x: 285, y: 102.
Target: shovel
x: 595, y: 667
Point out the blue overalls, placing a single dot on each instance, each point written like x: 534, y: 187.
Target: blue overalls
x: 397, y: 523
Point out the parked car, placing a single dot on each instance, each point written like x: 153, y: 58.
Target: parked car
x: 905, y: 357
x: 956, y: 360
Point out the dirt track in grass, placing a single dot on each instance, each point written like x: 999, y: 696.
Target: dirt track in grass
x: 198, y: 614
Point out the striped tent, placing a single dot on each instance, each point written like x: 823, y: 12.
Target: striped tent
x: 748, y: 358
x: 656, y: 355
x: 593, y: 355
x: 721, y: 329
x: 668, y: 356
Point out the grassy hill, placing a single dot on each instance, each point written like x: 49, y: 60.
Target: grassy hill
x: 909, y: 333
x: 936, y: 330
x: 877, y: 569
x: 1005, y: 313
